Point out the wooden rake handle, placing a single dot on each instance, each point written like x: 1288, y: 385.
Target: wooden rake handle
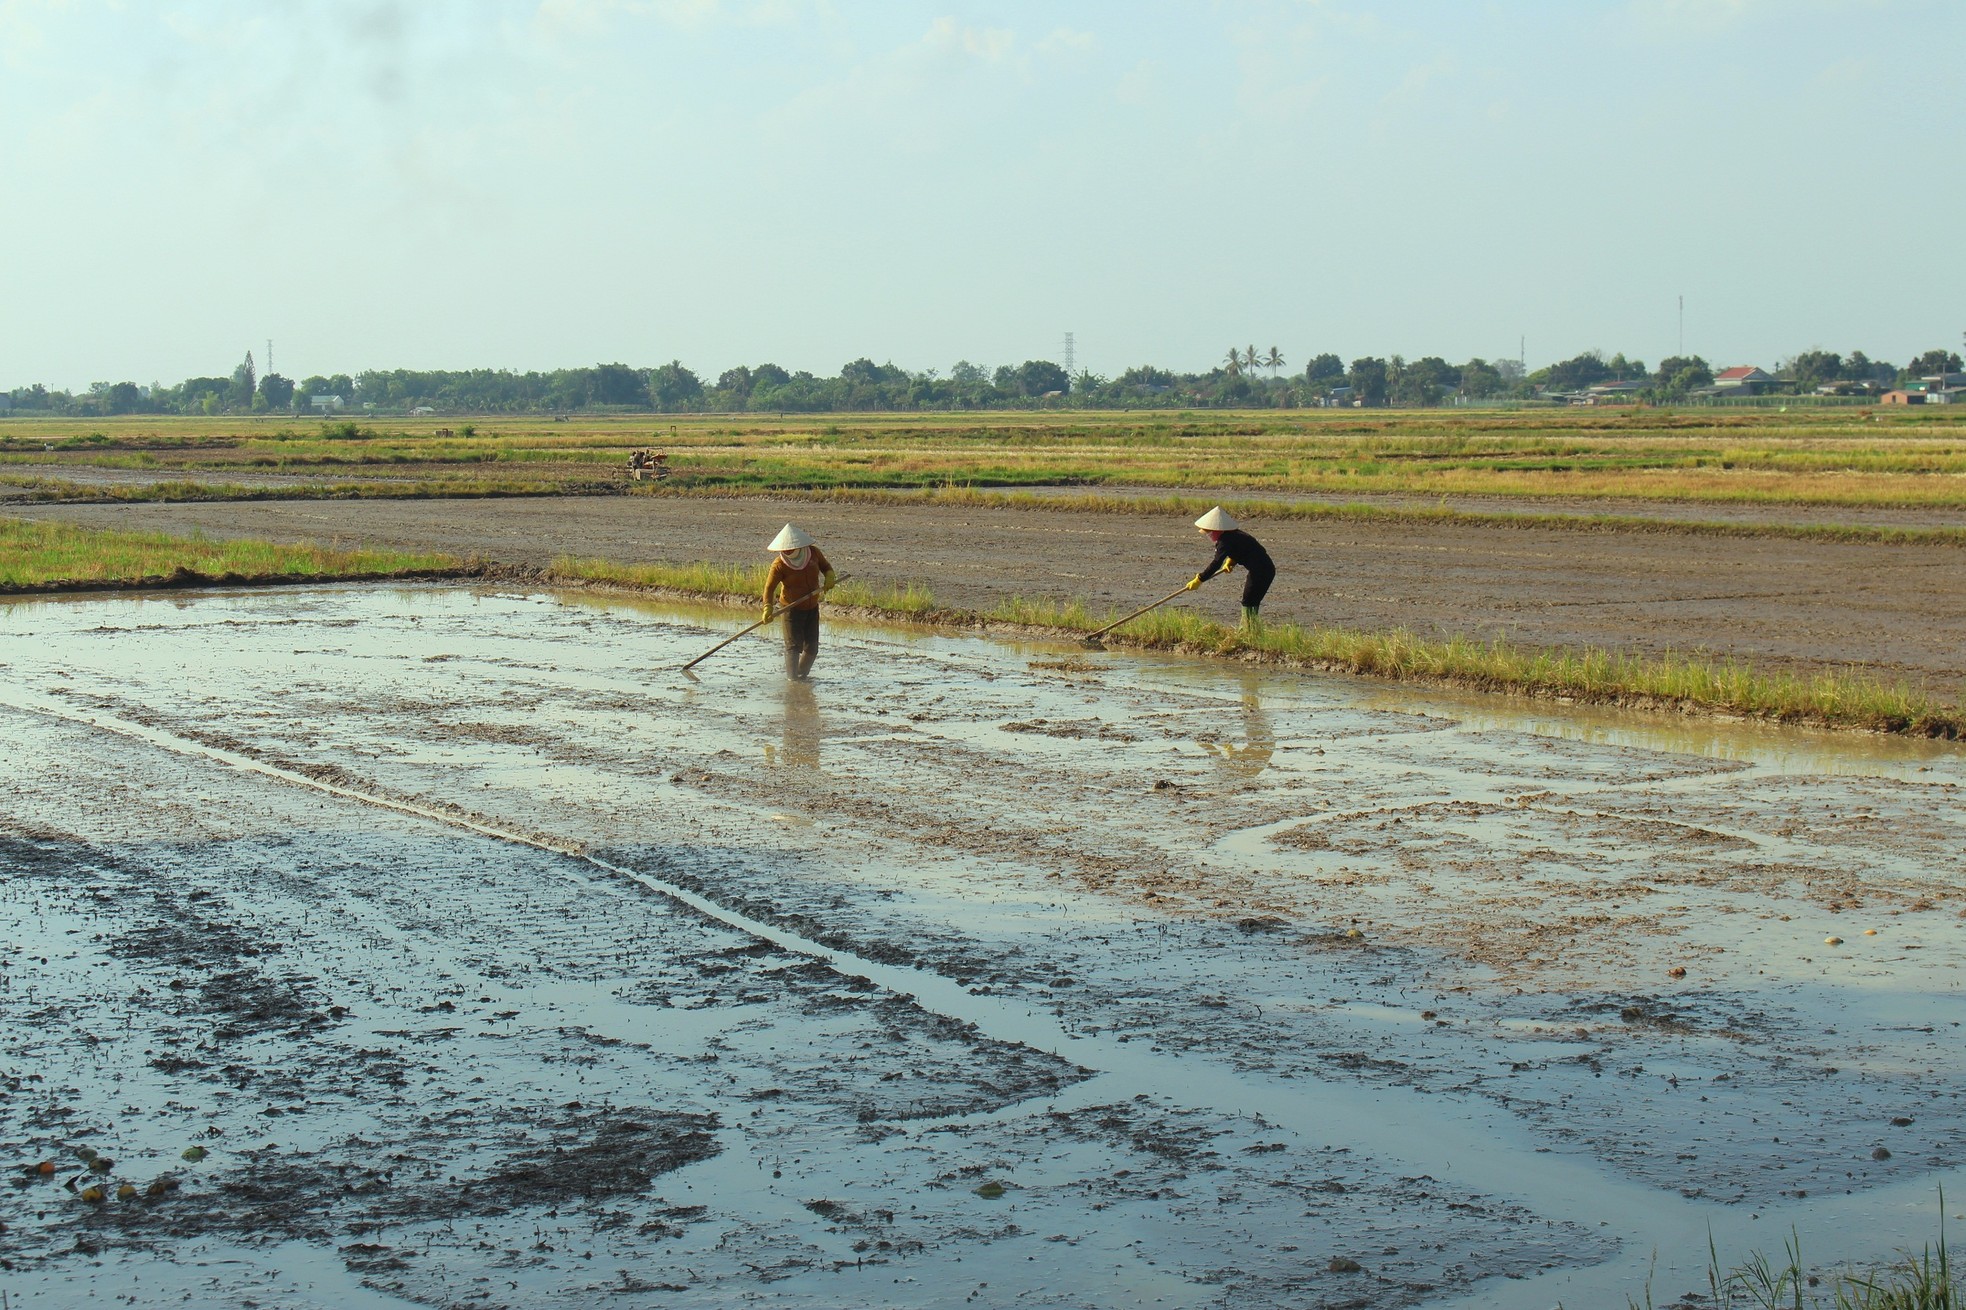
x: 1094, y: 636
x: 776, y: 611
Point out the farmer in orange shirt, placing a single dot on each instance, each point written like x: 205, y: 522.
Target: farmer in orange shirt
x: 804, y: 574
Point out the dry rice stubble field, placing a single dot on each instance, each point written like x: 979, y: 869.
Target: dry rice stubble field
x: 1811, y: 459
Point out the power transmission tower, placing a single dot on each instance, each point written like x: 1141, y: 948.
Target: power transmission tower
x: 1069, y: 370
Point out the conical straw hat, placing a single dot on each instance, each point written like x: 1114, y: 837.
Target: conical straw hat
x: 1216, y: 520
x: 789, y: 538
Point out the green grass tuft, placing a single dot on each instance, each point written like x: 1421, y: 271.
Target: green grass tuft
x: 43, y: 555
x: 1925, y: 1281
x: 703, y: 578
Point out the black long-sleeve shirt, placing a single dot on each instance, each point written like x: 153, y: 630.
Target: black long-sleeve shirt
x: 1245, y: 550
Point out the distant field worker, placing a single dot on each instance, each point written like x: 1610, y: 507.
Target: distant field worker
x: 1233, y: 546
x: 803, y: 573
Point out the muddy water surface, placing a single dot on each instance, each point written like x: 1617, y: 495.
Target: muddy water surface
x: 487, y: 960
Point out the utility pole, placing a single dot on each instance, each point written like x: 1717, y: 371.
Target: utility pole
x: 1069, y: 371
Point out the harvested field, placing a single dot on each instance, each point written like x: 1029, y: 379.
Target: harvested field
x: 484, y: 961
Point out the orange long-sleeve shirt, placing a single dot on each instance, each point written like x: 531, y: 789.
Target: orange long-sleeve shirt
x: 797, y: 582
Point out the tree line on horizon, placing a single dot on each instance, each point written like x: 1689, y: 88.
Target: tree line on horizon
x: 1247, y: 378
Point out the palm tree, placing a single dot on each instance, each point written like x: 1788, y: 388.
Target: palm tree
x: 1273, y: 361
x: 1250, y: 359
x: 1233, y: 363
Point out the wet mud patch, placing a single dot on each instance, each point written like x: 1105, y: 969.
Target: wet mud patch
x: 1517, y: 888
x: 1072, y: 729
x: 1471, y: 838
x: 1518, y: 952
x: 459, y: 1102
x: 865, y: 1055
x: 240, y: 997
x: 1877, y: 820
x: 586, y: 1157
x: 1498, y: 753
x: 1709, y: 1105
x: 1148, y: 1188
x: 404, y: 1214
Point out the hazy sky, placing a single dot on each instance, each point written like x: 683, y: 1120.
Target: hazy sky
x: 538, y: 183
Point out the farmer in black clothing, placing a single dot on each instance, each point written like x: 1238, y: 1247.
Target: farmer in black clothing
x: 1233, y: 546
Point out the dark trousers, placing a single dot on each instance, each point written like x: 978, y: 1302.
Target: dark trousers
x: 801, y: 641
x: 1256, y: 585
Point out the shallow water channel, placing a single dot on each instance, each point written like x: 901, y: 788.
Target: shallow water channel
x: 490, y: 961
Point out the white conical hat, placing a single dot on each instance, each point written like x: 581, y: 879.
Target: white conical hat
x: 1216, y: 520
x: 789, y: 538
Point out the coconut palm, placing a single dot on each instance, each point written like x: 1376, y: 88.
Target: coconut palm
x: 1233, y: 364
x: 1251, y: 360
x: 1273, y: 361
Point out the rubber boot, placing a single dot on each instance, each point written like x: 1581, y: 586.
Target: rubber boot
x: 1252, y: 622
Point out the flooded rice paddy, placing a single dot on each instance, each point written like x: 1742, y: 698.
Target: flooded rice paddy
x: 476, y: 957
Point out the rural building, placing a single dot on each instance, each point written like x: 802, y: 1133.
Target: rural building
x: 423, y: 409
x: 325, y: 402
x: 1611, y: 393
x: 1902, y: 398
x: 1941, y: 388
x: 1747, y: 380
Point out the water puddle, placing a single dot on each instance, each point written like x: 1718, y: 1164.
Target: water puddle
x: 488, y: 952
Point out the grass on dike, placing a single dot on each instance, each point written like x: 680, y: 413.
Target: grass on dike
x: 1852, y: 699
x: 41, y: 554
x: 1836, y: 698
x: 38, y: 554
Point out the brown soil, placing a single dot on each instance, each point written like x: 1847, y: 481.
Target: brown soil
x: 1800, y: 605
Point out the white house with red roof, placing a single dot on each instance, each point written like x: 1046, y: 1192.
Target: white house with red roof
x: 1747, y: 380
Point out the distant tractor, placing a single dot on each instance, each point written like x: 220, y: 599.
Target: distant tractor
x: 648, y: 465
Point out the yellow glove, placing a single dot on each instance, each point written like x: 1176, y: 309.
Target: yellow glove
x: 1228, y: 566
x: 765, y: 617
x: 1193, y: 582
x: 826, y: 580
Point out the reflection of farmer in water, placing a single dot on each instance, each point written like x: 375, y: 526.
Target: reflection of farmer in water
x: 801, y: 739
x: 803, y: 573
x: 1259, y: 742
x: 1233, y: 546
